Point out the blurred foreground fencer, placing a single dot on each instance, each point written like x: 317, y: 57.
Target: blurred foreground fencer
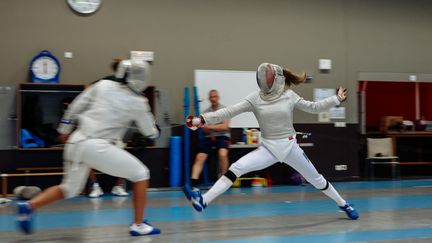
x: 273, y: 106
x: 103, y: 113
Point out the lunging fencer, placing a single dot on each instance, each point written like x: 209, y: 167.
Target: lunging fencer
x: 103, y: 112
x: 273, y: 106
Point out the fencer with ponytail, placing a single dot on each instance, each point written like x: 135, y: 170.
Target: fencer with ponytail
x: 292, y: 78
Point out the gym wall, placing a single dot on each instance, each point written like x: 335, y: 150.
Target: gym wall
x: 357, y: 35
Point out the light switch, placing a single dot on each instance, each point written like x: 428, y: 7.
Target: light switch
x: 68, y: 54
x: 325, y: 64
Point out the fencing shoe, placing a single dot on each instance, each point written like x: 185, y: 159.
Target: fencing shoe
x: 196, y: 197
x: 119, y: 191
x: 143, y: 229
x: 350, y: 211
x: 24, y: 217
x: 197, y: 200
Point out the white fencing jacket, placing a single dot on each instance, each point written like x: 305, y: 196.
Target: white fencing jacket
x: 105, y: 110
x: 275, y: 117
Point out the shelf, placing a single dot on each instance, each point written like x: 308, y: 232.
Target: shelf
x: 409, y: 134
x: 62, y: 148
x: 48, y: 87
x: 236, y: 146
x: 50, y: 91
x: 416, y: 163
x: 41, y: 149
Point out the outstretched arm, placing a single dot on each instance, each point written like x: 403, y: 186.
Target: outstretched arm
x: 322, y: 105
x: 227, y: 112
x: 218, y: 116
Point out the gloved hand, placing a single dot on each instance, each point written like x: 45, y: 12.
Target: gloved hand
x: 342, y: 94
x: 156, y: 135
x: 194, y: 122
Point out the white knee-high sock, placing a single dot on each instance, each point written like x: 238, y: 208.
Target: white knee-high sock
x: 333, y: 194
x: 217, y: 189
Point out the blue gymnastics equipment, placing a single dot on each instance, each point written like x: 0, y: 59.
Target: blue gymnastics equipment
x: 200, y: 132
x: 175, y: 161
x: 186, y: 139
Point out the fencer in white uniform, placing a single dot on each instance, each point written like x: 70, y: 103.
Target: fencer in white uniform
x: 273, y: 107
x: 101, y: 115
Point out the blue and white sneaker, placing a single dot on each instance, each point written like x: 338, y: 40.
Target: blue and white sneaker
x: 24, y: 217
x: 350, y: 211
x: 143, y: 229
x: 196, y: 197
x: 198, y: 201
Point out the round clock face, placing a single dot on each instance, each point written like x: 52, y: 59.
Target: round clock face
x: 45, y: 68
x: 84, y: 6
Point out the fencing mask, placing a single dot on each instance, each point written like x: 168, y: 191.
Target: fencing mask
x: 271, y: 81
x: 136, y: 74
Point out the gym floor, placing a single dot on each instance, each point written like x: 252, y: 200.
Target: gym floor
x: 390, y: 211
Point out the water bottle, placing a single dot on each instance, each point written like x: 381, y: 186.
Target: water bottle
x: 244, y: 135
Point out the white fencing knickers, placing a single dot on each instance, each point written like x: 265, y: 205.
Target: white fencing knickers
x: 262, y: 158
x: 100, y: 155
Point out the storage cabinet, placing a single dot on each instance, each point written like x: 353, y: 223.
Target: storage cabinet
x: 39, y: 110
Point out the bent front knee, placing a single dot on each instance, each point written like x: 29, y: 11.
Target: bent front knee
x: 70, y: 191
x: 141, y: 175
x: 230, y: 175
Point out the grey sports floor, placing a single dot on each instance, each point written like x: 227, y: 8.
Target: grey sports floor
x: 390, y: 211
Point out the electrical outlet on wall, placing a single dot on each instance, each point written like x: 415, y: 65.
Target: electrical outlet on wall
x: 341, y: 167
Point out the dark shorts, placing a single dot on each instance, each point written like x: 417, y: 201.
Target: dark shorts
x: 208, y: 143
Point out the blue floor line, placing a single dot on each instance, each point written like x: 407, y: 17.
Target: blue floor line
x: 357, y: 185
x: 342, y: 237
x: 47, y: 220
x: 354, y: 185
